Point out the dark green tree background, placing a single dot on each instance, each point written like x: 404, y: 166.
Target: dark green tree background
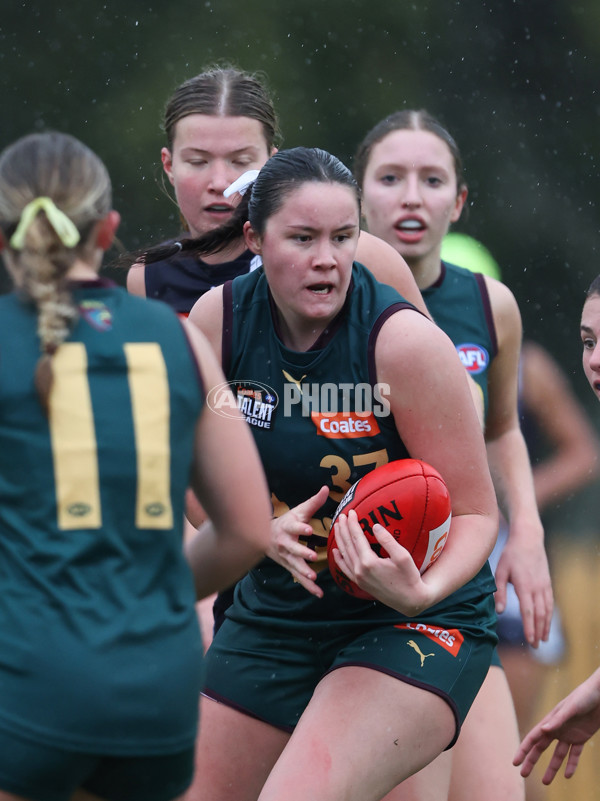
x: 516, y: 81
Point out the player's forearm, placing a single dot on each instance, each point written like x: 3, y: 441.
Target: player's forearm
x: 513, y: 481
x: 470, y: 542
x: 216, y: 561
x: 567, y: 472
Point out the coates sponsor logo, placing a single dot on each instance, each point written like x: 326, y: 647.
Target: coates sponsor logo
x: 474, y: 357
x: 345, y: 425
x: 450, y: 639
x: 256, y: 401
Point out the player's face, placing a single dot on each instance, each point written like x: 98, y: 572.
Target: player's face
x: 590, y: 337
x: 410, y: 194
x: 307, y: 249
x: 209, y: 153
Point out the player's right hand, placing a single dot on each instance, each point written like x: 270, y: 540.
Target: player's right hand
x: 285, y: 548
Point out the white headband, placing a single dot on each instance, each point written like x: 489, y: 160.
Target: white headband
x: 242, y: 183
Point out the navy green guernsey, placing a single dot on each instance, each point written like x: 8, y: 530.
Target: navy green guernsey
x: 459, y: 304
x: 99, y: 642
x: 319, y: 418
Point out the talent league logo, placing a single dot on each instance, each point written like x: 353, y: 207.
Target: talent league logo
x: 474, y: 357
x: 256, y: 402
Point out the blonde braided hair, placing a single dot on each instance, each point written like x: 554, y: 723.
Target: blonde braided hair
x: 45, y: 178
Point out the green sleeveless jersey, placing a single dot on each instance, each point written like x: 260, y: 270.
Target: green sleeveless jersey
x: 459, y: 304
x: 99, y: 642
x: 318, y: 417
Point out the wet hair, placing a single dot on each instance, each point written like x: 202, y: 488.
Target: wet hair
x: 406, y: 120
x: 283, y: 173
x: 594, y: 288
x: 59, y: 167
x: 223, y: 92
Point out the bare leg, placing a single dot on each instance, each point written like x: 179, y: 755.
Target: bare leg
x: 234, y: 755
x: 525, y: 676
x: 482, y: 757
x: 432, y: 783
x: 362, y: 733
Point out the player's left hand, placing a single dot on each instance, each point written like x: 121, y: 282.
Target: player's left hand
x: 395, y: 581
x: 524, y: 564
x: 572, y: 722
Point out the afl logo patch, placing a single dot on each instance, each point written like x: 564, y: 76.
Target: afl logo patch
x: 474, y: 358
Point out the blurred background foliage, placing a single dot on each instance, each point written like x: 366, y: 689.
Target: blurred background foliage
x: 516, y: 81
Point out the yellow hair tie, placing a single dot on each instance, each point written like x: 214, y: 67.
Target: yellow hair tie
x: 64, y: 227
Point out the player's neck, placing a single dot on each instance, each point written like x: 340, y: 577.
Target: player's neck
x: 82, y: 271
x: 426, y: 270
x: 227, y: 254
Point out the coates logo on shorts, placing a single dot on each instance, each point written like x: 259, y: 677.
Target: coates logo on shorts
x: 450, y: 639
x: 256, y: 401
x: 474, y: 357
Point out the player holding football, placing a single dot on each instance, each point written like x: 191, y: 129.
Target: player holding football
x: 311, y: 692
x: 219, y: 124
x: 410, y: 172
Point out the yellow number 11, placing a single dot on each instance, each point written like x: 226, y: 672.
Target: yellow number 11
x: 74, y: 445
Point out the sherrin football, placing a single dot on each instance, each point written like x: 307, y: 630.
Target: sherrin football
x: 410, y: 499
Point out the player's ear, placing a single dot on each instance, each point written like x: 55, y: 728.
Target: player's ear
x: 107, y: 227
x: 461, y: 199
x: 167, y: 162
x: 253, y: 239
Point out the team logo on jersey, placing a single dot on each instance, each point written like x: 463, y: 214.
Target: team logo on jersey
x: 257, y: 402
x: 474, y: 357
x: 450, y: 639
x: 97, y: 314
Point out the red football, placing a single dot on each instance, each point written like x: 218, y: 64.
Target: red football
x: 407, y: 497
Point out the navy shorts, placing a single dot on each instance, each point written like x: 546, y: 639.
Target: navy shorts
x: 271, y: 675
x: 45, y: 773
